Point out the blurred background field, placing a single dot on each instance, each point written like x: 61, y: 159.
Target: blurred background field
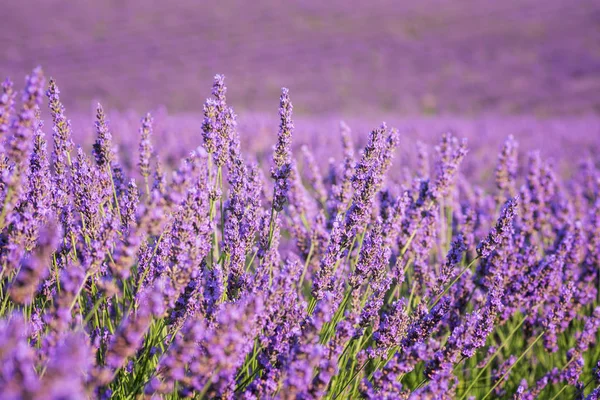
x: 429, y: 57
x: 482, y: 69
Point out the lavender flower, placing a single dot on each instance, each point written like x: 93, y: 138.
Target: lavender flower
x: 323, y: 281
x: 282, y: 156
x: 39, y: 180
x: 7, y: 101
x: 368, y: 178
x: 209, y: 129
x: 506, y: 170
x: 145, y: 146
x: 19, y: 144
x: 307, y: 353
x: 452, y: 260
x: 393, y: 326
x: 63, y: 146
x: 500, y: 231
x: 451, y: 154
x: 103, y: 147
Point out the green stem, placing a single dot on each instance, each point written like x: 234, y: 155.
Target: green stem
x: 310, y: 253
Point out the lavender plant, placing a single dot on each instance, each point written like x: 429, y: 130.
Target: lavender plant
x: 215, y: 281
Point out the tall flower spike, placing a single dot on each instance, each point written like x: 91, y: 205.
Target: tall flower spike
x: 209, y: 128
x: 451, y: 153
x: 453, y: 258
x: 282, y: 155
x: 129, y: 205
x: 219, y: 89
x: 19, y: 144
x: 500, y: 231
x: 227, y: 135
x: 87, y: 199
x: 368, y: 178
x: 323, y: 280
x: 506, y: 170
x: 103, y: 150
x: 12, y: 182
x: 369, y: 158
x: 218, y: 126
x: 39, y: 169
x: 63, y: 146
x: 7, y: 101
x: 37, y: 203
x: 146, y: 149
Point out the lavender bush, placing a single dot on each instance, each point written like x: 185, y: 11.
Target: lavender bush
x: 279, y: 274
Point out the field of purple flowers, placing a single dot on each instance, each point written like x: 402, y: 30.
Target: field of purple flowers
x: 378, y: 268
x: 434, y: 56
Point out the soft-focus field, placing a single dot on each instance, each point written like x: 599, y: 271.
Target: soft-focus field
x: 323, y: 260
x: 408, y: 57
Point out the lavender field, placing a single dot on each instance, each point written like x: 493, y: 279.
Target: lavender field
x: 154, y: 243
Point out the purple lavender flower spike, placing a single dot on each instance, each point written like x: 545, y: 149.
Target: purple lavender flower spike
x: 129, y: 205
x: 63, y: 146
x: 282, y: 153
x: 453, y: 258
x: 500, y: 231
x: 308, y: 353
x: 39, y: 194
x: 146, y: 149
x: 209, y: 128
x: 451, y: 154
x: 7, y: 102
x: 323, y: 280
x: 368, y: 178
x: 506, y: 170
x: 392, y: 328
x: 103, y: 147
x: 19, y: 145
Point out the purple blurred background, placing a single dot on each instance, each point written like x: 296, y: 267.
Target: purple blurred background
x: 463, y: 57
